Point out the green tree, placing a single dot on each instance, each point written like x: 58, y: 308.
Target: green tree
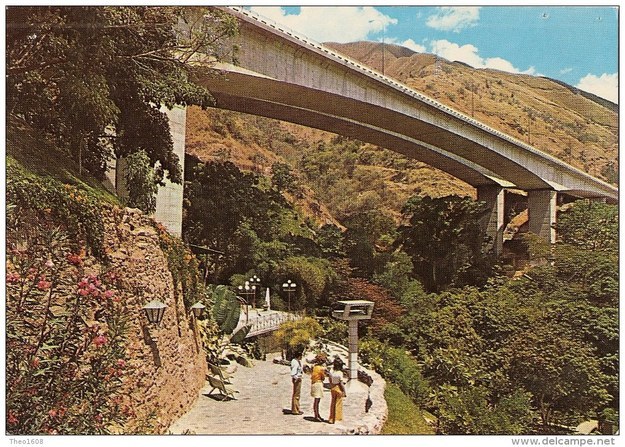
x: 470, y: 411
x: 590, y: 225
x: 330, y: 240
x: 562, y: 373
x: 282, y: 178
x: 226, y: 210
x: 364, y: 239
x: 139, y: 177
x: 93, y: 78
x: 314, y: 277
x: 445, y: 240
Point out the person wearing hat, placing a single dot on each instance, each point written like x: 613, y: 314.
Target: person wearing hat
x: 337, y: 391
x: 317, y: 376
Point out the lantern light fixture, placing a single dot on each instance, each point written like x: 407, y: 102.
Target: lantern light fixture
x: 198, y: 309
x: 154, y: 311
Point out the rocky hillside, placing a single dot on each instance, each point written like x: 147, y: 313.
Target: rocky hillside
x: 577, y: 127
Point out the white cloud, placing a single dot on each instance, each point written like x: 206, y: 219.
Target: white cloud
x: 330, y: 24
x: 566, y: 70
x: 410, y: 44
x: 414, y: 46
x: 469, y: 54
x: 605, y: 86
x: 454, y: 18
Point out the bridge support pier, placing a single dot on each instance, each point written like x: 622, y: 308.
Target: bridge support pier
x: 541, y: 206
x: 493, y: 223
x: 169, y: 197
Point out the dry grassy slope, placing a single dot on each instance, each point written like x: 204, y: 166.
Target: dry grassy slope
x: 217, y: 135
x: 551, y: 116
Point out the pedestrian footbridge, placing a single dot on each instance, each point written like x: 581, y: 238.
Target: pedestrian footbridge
x: 263, y: 321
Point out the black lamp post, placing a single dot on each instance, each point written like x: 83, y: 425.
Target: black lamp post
x: 255, y: 282
x: 247, y: 290
x: 289, y: 288
x: 154, y: 311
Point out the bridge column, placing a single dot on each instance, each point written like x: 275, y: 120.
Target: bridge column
x: 169, y: 197
x: 541, y: 205
x: 493, y: 223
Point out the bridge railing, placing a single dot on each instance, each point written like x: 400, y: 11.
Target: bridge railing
x: 356, y: 64
x: 270, y: 322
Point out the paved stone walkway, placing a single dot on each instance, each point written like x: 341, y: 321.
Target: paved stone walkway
x: 264, y: 392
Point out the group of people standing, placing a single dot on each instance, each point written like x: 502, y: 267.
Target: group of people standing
x: 317, y: 376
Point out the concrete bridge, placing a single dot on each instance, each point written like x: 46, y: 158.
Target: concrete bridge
x: 285, y: 76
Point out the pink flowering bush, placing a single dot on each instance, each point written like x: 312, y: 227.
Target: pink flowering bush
x: 65, y: 338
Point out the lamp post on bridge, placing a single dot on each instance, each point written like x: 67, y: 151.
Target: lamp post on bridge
x: 289, y: 288
x: 255, y: 282
x: 247, y: 290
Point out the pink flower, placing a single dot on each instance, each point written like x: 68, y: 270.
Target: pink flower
x: 100, y: 340
x: 83, y: 282
x: 12, y: 419
x: 109, y: 294
x: 121, y: 363
x: 49, y: 263
x: 43, y: 284
x: 13, y: 277
x: 83, y: 292
x: 52, y: 413
x: 35, y: 362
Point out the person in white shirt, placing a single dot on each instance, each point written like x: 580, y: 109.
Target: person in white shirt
x: 296, y: 378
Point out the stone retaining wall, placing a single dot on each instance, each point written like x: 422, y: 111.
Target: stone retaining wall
x: 167, y: 364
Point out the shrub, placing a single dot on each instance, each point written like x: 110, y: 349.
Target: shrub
x: 397, y: 366
x: 47, y: 199
x: 65, y: 330
x: 296, y: 335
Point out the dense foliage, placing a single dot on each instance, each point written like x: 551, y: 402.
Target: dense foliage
x: 93, y: 78
x: 446, y: 242
x: 546, y: 341
x: 250, y: 228
x: 139, y: 175
x: 65, y: 324
x: 47, y: 198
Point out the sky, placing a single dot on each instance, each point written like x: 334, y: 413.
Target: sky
x: 574, y: 44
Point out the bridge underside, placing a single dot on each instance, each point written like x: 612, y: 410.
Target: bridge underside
x: 465, y: 154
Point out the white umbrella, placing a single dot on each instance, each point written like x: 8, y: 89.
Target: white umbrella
x: 267, y: 301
